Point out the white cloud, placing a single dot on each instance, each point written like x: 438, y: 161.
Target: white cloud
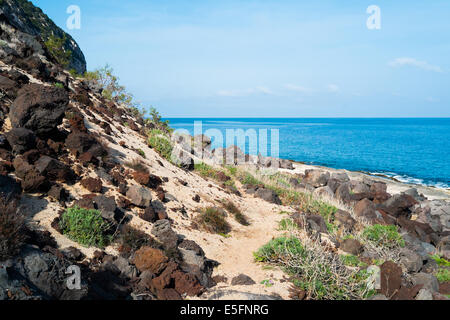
x: 333, y: 88
x: 297, y: 88
x: 246, y: 92
x: 401, y: 62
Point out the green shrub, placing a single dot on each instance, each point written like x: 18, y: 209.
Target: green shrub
x: 278, y: 249
x: 86, y: 227
x: 318, y: 273
x: 55, y: 47
x: 287, y: 225
x: 141, y: 153
x: 352, y: 261
x: 440, y: 261
x: 213, y: 220
x: 386, y: 236
x: 161, y: 143
x: 58, y: 85
x: 443, y: 275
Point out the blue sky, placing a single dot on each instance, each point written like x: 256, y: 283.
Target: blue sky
x: 271, y: 58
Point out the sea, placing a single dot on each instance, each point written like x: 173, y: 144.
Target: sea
x: 410, y: 150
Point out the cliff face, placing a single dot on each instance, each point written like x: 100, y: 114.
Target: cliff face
x: 29, y: 19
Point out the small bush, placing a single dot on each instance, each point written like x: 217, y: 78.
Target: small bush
x: 386, y: 236
x: 58, y: 85
x: 443, y: 275
x: 287, y: 225
x: 55, y: 47
x: 12, y: 235
x: 141, y: 153
x: 236, y: 212
x: 320, y: 274
x: 86, y: 227
x: 352, y: 261
x: 440, y: 261
x: 213, y: 220
x: 161, y: 143
x: 279, y: 249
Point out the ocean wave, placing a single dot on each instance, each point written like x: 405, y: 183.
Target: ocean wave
x: 412, y: 180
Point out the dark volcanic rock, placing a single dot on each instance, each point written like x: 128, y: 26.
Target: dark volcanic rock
x: 399, y: 205
x: 9, y: 188
x: 53, y: 169
x: 391, y: 278
x: 92, y: 184
x: 39, y: 108
x: 268, y: 195
x: 242, y: 279
x: 21, y: 140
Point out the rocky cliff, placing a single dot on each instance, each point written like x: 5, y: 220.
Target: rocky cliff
x: 26, y: 18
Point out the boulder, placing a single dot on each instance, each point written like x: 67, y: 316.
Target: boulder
x: 366, y: 209
x: 79, y: 143
x: 443, y: 247
x: 268, y: 195
x: 182, y: 158
x: 344, y: 219
x: 428, y: 281
x: 343, y: 193
x: 39, y: 108
x: 9, y: 188
x: 391, y: 278
x: 351, y: 246
x: 139, y: 196
x: 150, y: 259
x: 317, y: 178
x: 92, y: 184
x: 424, y: 294
x: 341, y: 177
x: 415, y: 194
x: 164, y: 233
x: 325, y: 192
x: 53, y: 169
x: 399, y: 205
x: 21, y: 140
x: 411, y: 260
x: 242, y: 280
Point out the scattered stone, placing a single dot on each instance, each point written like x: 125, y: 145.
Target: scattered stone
x: 21, y: 140
x: 344, y: 219
x: 411, y: 260
x: 150, y: 259
x: 324, y: 192
x: 391, y: 278
x: 268, y: 195
x: 352, y: 246
x: 92, y: 184
x: 164, y: 233
x: 365, y: 208
x: 424, y: 294
x: 428, y: 281
x: 242, y: 280
x: 317, y: 178
x: 139, y: 196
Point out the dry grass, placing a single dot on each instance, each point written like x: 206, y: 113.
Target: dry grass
x: 137, y: 165
x: 212, y: 219
x: 12, y: 235
x: 236, y: 212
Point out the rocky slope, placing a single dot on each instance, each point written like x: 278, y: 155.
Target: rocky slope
x: 64, y: 145
x: 23, y: 16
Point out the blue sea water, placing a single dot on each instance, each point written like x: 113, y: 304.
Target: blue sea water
x: 411, y: 150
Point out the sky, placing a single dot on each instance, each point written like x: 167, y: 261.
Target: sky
x: 271, y: 58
